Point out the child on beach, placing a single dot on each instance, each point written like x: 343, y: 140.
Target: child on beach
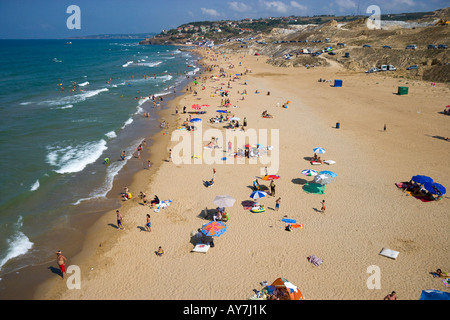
x: 160, y: 252
x: 119, y: 221
x: 277, y: 204
x: 323, y: 206
x: 148, y: 224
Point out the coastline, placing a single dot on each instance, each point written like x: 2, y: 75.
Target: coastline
x: 278, y: 246
x: 96, y: 240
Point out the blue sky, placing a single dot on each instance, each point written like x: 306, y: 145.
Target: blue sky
x: 47, y: 18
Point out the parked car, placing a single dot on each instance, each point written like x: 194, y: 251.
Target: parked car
x: 387, y: 47
x: 442, y: 46
x: 387, y: 67
x: 432, y: 46
x: 371, y: 70
x: 367, y: 46
x: 413, y: 67
x: 411, y: 46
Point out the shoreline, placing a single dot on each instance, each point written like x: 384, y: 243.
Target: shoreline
x: 327, y: 226
x: 153, y: 152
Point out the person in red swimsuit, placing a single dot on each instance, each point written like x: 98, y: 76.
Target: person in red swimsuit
x: 61, y: 262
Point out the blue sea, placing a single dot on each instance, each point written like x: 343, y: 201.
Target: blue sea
x: 64, y: 108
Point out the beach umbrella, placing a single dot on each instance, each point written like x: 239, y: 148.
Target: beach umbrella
x: 213, y: 228
x: 271, y: 177
x: 224, y: 201
x: 196, y: 106
x: 258, y: 194
x: 323, y: 179
x: 314, y: 188
x: 196, y: 120
x: 330, y: 173
x: 319, y: 150
x: 435, y: 188
x: 421, y: 179
x: 310, y: 172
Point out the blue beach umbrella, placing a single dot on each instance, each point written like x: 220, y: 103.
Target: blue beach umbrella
x: 196, y: 120
x: 421, y: 179
x: 435, y: 188
x: 319, y: 150
x: 258, y: 194
x: 330, y: 173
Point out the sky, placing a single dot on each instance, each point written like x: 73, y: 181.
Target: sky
x: 48, y: 19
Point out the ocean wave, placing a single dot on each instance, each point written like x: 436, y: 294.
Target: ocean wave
x: 18, y: 244
x: 66, y: 107
x: 35, y: 186
x: 68, y: 100
x: 128, y: 122
x: 111, y: 135
x: 127, y: 64
x: 74, y: 159
x: 112, y: 171
x: 84, y: 84
x: 25, y: 103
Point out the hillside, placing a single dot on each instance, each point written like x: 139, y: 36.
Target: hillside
x: 283, y: 40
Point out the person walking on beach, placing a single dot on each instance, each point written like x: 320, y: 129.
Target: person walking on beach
x: 384, y: 127
x: 170, y: 155
x: 122, y: 156
x: 119, y: 220
x: 277, y: 204
x: 323, y: 206
x: 61, y: 260
x: 148, y: 224
x: 272, y: 188
x: 229, y: 146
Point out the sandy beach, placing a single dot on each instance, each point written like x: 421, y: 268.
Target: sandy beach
x: 365, y: 211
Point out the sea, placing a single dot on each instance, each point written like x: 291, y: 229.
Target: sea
x: 66, y: 106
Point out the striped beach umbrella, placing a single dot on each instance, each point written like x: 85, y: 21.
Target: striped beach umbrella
x: 319, y: 150
x: 258, y: 194
x: 309, y: 172
x: 213, y: 228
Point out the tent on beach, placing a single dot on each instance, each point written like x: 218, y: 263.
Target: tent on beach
x: 280, y: 289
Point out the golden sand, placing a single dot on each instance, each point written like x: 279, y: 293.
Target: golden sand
x: 365, y: 212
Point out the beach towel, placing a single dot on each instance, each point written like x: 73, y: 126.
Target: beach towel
x: 200, y: 247
x: 389, y: 253
x: 315, y: 260
x: 289, y: 220
x: 421, y: 198
x: 297, y: 225
x: 314, y: 162
x: 329, y: 162
x: 401, y: 185
x: 446, y: 282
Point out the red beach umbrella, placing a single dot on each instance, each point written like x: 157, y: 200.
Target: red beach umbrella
x: 271, y: 177
x: 196, y: 106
